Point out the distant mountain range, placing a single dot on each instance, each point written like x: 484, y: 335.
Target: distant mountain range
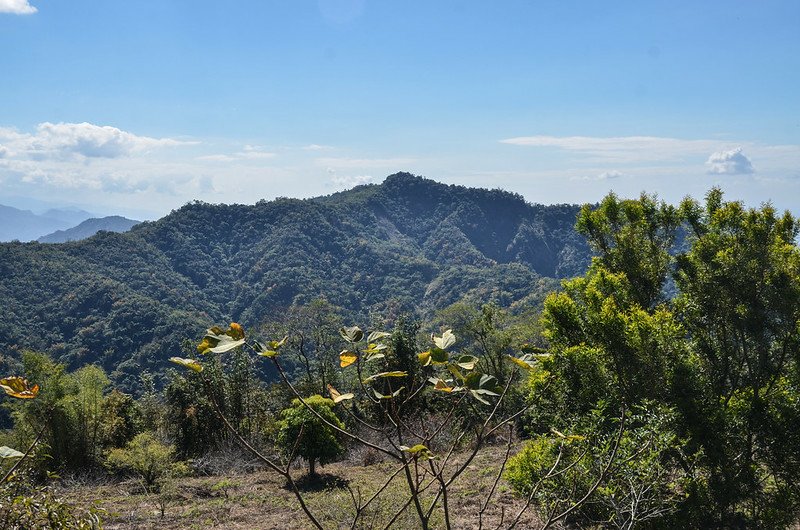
x: 24, y: 225
x: 128, y: 300
x: 89, y: 227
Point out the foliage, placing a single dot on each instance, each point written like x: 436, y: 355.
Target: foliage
x: 80, y: 421
x: 24, y: 508
x: 148, y: 459
x: 645, y: 482
x: 722, y: 354
x: 303, y: 430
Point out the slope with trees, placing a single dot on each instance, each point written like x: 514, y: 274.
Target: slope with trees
x: 127, y: 301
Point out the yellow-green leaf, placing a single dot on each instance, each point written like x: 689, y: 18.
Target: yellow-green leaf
x: 441, y: 385
x: 374, y: 347
x: 264, y: 350
x: 396, y: 373
x: 336, y: 396
x: 276, y: 344
x: 346, y: 358
x: 389, y: 396
x: 191, y: 364
x: 522, y: 362
x: 418, y: 451
x: 18, y: 387
x: 235, y: 331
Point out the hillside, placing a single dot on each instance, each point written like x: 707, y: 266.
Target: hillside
x: 89, y: 227
x: 128, y: 300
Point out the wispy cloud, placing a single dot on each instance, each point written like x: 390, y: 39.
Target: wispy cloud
x: 248, y: 152
x: 317, y: 147
x: 17, y: 7
x: 621, y: 148
x: 364, y: 163
x: 731, y: 162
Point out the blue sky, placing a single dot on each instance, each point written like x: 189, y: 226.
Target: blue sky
x: 138, y: 107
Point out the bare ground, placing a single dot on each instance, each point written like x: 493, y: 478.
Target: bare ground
x: 259, y: 500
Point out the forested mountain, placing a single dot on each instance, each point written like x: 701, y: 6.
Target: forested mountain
x: 128, y: 300
x: 24, y: 225
x: 89, y: 227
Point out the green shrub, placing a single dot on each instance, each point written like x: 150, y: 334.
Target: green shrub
x: 148, y: 459
x: 302, y: 433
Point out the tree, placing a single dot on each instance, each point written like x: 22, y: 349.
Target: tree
x: 739, y: 297
x: 722, y: 354
x: 304, y: 431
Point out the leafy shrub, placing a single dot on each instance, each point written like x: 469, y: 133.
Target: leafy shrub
x: 148, y: 459
x: 303, y: 433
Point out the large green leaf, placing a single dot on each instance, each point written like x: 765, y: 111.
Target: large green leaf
x: 351, y: 334
x: 445, y: 341
x: 7, y: 452
x: 434, y: 355
x: 377, y: 335
x: 218, y: 340
x: 481, y: 385
x: 467, y: 362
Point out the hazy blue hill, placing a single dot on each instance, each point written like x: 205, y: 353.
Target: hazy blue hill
x: 89, y: 227
x: 128, y: 300
x: 24, y: 225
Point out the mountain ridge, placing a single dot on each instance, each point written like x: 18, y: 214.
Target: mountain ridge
x: 25, y: 225
x: 127, y: 300
x: 89, y: 227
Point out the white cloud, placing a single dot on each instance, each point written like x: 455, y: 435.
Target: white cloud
x: 317, y: 147
x: 613, y: 174
x: 732, y: 162
x: 17, y: 7
x: 60, y: 140
x: 350, y: 181
x: 605, y: 175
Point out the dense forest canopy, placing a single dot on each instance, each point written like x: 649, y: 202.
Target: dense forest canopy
x: 409, y: 245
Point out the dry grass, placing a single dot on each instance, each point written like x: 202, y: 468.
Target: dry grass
x: 259, y: 500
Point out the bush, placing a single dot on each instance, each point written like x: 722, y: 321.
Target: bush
x: 148, y: 459
x: 302, y: 433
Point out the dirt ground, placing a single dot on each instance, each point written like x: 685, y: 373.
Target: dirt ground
x: 259, y: 500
